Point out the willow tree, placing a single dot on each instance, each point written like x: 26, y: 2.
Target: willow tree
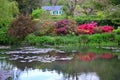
x: 8, y: 11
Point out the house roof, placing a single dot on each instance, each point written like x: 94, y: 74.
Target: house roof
x: 52, y: 8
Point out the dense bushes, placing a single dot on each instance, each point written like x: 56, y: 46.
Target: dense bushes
x: 99, y: 38
x: 34, y: 40
x: 21, y: 27
x: 87, y: 28
x: 91, y: 28
x: 44, y: 28
x: 101, y: 21
x: 65, y: 27
x: 117, y: 31
x: 3, y: 36
x: 8, y: 10
x: 95, y: 39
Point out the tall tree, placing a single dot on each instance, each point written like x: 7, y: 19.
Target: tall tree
x: 26, y: 6
x: 71, y: 4
x: 7, y: 11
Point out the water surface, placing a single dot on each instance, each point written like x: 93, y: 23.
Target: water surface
x: 59, y: 66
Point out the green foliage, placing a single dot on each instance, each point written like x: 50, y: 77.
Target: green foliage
x: 32, y: 39
x: 21, y: 27
x: 116, y: 21
x: 7, y: 11
x: 100, y: 20
x: 37, y: 13
x: 115, y: 2
x: 44, y: 28
x: 117, y: 31
x: 106, y: 39
x: 26, y: 6
x: 117, y: 38
x: 113, y: 11
x: 84, y: 38
x: 3, y: 36
x: 99, y: 38
x: 56, y: 17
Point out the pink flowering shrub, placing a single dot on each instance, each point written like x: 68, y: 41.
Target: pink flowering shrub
x: 91, y: 28
x: 107, y: 28
x: 65, y: 26
x: 87, y: 28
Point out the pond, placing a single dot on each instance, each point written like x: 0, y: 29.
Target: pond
x: 30, y: 63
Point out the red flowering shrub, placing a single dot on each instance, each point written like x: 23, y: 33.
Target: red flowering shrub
x: 107, y: 56
x: 65, y: 26
x: 107, y: 28
x: 87, y: 28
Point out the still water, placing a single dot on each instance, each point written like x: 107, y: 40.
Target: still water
x: 58, y: 65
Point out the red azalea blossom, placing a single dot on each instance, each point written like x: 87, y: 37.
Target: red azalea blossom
x: 107, y: 56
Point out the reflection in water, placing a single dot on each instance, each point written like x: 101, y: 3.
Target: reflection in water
x: 76, y: 66
x: 37, y: 74
x: 88, y: 76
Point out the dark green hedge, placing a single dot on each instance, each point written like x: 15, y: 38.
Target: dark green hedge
x: 113, y: 22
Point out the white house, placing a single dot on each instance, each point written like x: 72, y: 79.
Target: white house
x: 54, y: 10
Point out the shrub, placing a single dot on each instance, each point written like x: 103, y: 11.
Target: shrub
x: 84, y: 38
x: 107, y: 28
x: 45, y: 28
x: 32, y: 39
x: 90, y: 28
x: 96, y: 38
x: 21, y: 27
x: 97, y: 29
x: 37, y: 13
x: 87, y: 28
x: 117, y: 38
x: 117, y: 31
x: 3, y: 36
x: 65, y: 27
x: 101, y: 21
x: 99, y: 38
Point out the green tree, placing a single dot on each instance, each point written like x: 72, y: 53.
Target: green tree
x: 8, y: 10
x: 26, y: 6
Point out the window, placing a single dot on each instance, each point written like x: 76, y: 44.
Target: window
x: 60, y: 12
x: 55, y: 12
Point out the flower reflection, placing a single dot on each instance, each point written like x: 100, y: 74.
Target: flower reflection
x: 92, y: 56
x: 87, y: 57
x: 107, y: 56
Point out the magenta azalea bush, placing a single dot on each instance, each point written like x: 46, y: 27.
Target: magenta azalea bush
x: 87, y: 28
x: 91, y: 28
x: 65, y: 27
x: 107, y: 28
